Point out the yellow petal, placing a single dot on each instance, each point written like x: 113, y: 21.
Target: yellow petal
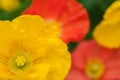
x: 52, y: 28
x: 9, y: 5
x: 113, y: 12
x: 4, y: 72
x: 56, y: 53
x: 56, y: 50
x: 40, y: 72
x: 31, y: 35
x: 29, y: 25
x: 35, y: 26
x: 107, y: 33
x: 5, y: 35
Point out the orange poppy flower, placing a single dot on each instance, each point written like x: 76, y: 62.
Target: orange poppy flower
x: 70, y: 14
x: 91, y: 61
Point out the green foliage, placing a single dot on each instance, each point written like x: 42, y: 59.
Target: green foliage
x: 71, y: 46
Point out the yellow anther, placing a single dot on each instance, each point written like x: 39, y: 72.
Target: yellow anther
x: 20, y: 61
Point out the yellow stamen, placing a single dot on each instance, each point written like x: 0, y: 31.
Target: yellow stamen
x: 94, y: 69
x: 20, y: 61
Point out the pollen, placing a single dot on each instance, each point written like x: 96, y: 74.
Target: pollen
x: 20, y: 61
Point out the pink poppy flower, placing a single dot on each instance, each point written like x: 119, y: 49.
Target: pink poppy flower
x: 91, y: 61
x: 70, y: 14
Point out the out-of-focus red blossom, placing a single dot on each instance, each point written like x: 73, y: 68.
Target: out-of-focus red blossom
x: 90, y: 50
x: 70, y: 14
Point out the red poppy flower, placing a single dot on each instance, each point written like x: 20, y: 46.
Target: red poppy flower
x: 70, y: 14
x: 93, y: 62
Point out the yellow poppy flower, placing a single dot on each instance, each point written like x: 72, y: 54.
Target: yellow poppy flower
x: 107, y: 33
x: 9, y: 5
x: 29, y: 51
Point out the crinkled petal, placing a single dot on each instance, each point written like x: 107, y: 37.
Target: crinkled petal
x: 40, y: 72
x: 70, y: 14
x: 112, y: 74
x: 57, y: 57
x: 112, y: 66
x: 55, y: 53
x: 92, y: 50
x: 5, y: 72
x: 6, y: 33
x: 114, y: 61
x: 75, y: 22
x: 35, y: 26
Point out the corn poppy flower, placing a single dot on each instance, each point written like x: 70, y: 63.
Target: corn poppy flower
x: 70, y: 14
x: 107, y: 33
x: 93, y: 62
x: 27, y: 54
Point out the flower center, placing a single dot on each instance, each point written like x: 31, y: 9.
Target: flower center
x: 20, y: 61
x: 94, y: 69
